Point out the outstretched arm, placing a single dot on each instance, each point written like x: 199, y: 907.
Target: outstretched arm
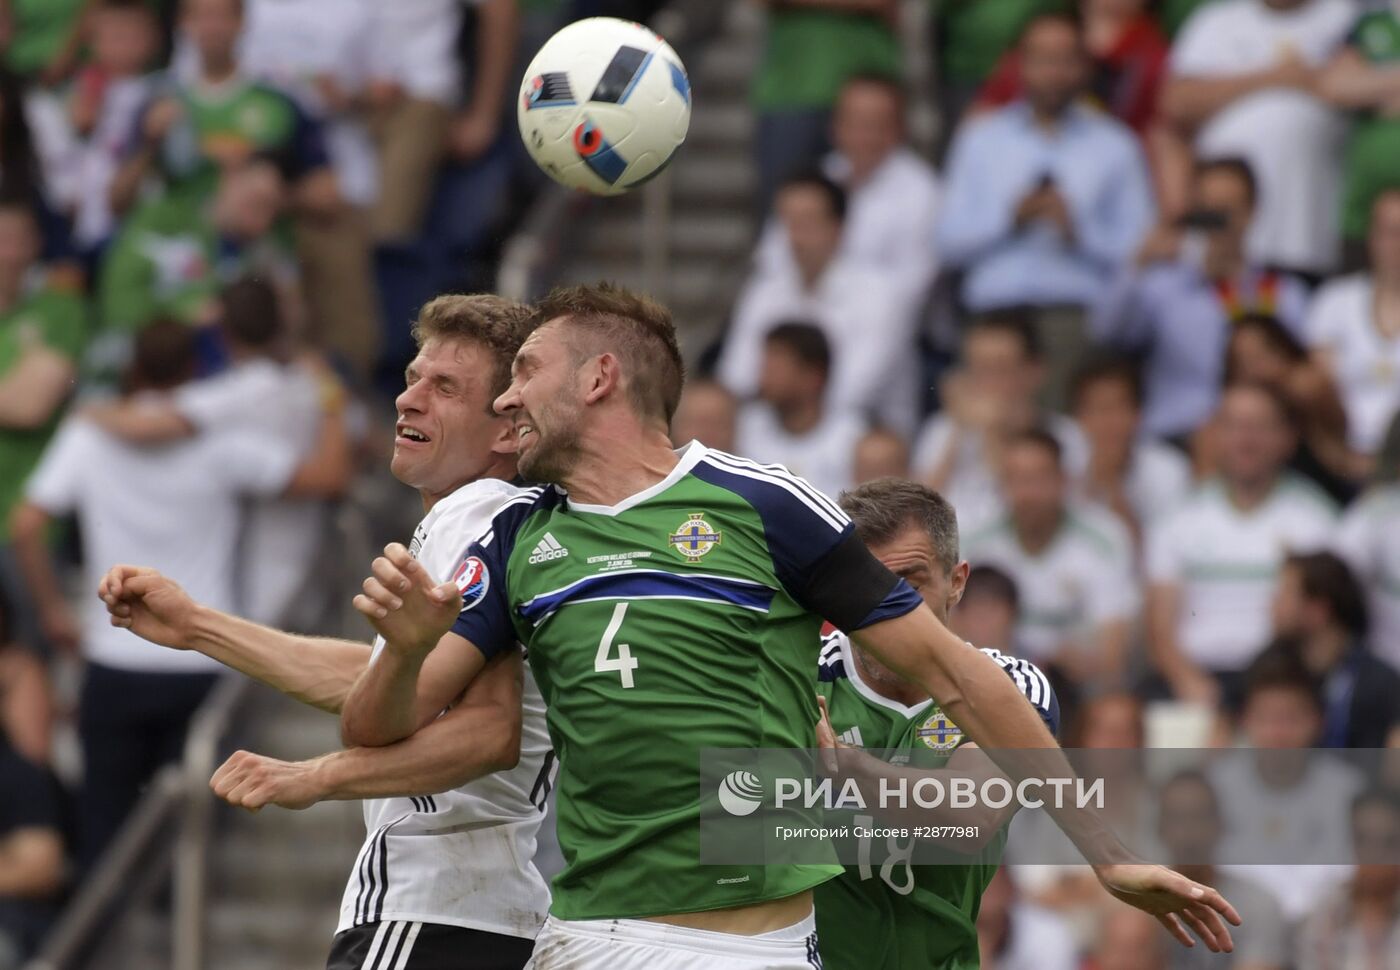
x: 479, y: 736
x: 318, y: 671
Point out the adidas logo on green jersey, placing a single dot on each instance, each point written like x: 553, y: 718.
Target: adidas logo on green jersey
x: 547, y: 550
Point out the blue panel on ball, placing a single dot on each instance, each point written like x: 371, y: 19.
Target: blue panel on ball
x: 598, y: 152
x: 621, y: 74
x: 679, y: 81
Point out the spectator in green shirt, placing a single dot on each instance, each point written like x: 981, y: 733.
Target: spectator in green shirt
x: 812, y: 47
x: 42, y: 38
x: 42, y: 331
x: 174, y: 254
x: 1365, y: 77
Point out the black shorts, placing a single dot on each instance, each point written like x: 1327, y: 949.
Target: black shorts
x: 397, y: 945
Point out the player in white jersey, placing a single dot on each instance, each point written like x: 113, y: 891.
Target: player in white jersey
x: 475, y: 779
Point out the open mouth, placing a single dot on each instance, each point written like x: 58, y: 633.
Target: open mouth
x: 405, y: 433
x: 522, y: 430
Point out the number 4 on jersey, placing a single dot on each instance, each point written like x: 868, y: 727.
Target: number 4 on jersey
x: 623, y: 663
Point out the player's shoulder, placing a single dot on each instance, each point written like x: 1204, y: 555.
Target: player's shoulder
x: 831, y: 660
x: 771, y: 490
x: 479, y: 507
x: 1030, y: 680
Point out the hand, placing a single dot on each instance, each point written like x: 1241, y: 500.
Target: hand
x: 382, y: 93
x: 150, y: 605
x: 160, y: 119
x: 1054, y: 208
x: 1174, y: 900
x: 827, y: 740
x: 60, y: 628
x: 1162, y: 245
x: 406, y: 605
x: 1291, y: 71
x: 472, y: 133
x: 250, y: 781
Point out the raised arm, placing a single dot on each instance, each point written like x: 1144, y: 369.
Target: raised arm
x: 423, y: 667
x: 318, y: 671
x: 479, y: 736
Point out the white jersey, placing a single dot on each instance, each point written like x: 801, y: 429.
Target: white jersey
x: 477, y: 870
x: 1366, y: 540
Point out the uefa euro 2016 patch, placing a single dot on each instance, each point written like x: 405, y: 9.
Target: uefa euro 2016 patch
x: 472, y: 580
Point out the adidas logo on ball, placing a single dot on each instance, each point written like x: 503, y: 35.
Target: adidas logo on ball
x: 547, y: 550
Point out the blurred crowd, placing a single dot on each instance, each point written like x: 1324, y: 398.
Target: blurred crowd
x: 1137, y: 315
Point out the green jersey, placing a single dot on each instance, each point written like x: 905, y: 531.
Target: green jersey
x: 44, y: 317
x: 1374, y: 143
x: 168, y: 262
x: 235, y: 121
x: 886, y: 913
x: 683, y: 618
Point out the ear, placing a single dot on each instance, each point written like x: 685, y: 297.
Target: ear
x: 504, y: 441
x: 958, y: 586
x: 601, y: 376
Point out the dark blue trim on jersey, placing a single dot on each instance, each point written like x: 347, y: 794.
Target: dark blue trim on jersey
x: 650, y: 585
x: 900, y: 601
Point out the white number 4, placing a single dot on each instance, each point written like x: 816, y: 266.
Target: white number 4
x: 624, y: 663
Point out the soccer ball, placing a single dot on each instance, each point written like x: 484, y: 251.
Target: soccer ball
x: 604, y: 105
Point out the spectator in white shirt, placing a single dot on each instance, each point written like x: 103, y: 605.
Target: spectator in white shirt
x: 1014, y: 935
x: 989, y: 610
x: 1243, y: 77
x: 707, y: 413
x: 1072, y: 564
x: 1285, y: 817
x: 892, y: 193
x: 864, y: 311
x: 1354, y: 331
x: 881, y: 453
x: 177, y: 507
x: 85, y: 130
x: 1213, y: 563
x: 989, y: 397
x: 415, y: 82
x: 1136, y: 477
x: 264, y: 392
x: 1366, y: 540
x: 792, y: 423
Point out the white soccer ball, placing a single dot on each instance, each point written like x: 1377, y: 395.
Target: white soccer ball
x: 604, y: 105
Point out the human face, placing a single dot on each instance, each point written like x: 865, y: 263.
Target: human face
x: 123, y: 41
x: 866, y: 126
x: 785, y: 381
x: 248, y: 201
x: 445, y: 435
x: 1053, y: 66
x: 1385, y: 235
x: 1281, y: 718
x: 813, y: 230
x: 1034, y: 487
x: 545, y: 404
x: 1221, y: 190
x: 1111, y: 722
x: 997, y: 366
x: 1189, y: 824
x: 1108, y: 415
x: 706, y: 414
x: 1254, y: 441
x: 910, y: 555
x: 213, y: 26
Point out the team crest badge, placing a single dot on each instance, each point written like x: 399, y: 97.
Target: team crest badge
x: 473, y: 580
x: 939, y: 733
x: 695, y: 537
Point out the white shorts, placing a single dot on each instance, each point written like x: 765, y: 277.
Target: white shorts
x: 634, y: 944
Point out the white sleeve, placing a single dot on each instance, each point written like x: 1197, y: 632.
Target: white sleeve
x: 931, y: 446
x: 1355, y: 539
x: 212, y: 403
x: 256, y: 464
x: 1116, y: 594
x: 1203, y: 46
x: 53, y: 486
x: 743, y: 346
x: 1163, y: 560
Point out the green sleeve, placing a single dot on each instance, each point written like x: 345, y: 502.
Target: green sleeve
x: 126, y: 290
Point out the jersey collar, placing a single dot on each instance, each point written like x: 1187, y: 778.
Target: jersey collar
x: 857, y: 680
x: 689, y: 457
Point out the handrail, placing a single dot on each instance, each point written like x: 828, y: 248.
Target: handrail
x: 179, y: 793
x: 87, y: 911
x: 207, y: 730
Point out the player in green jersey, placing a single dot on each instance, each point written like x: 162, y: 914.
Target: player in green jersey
x: 885, y: 914
x: 670, y: 601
